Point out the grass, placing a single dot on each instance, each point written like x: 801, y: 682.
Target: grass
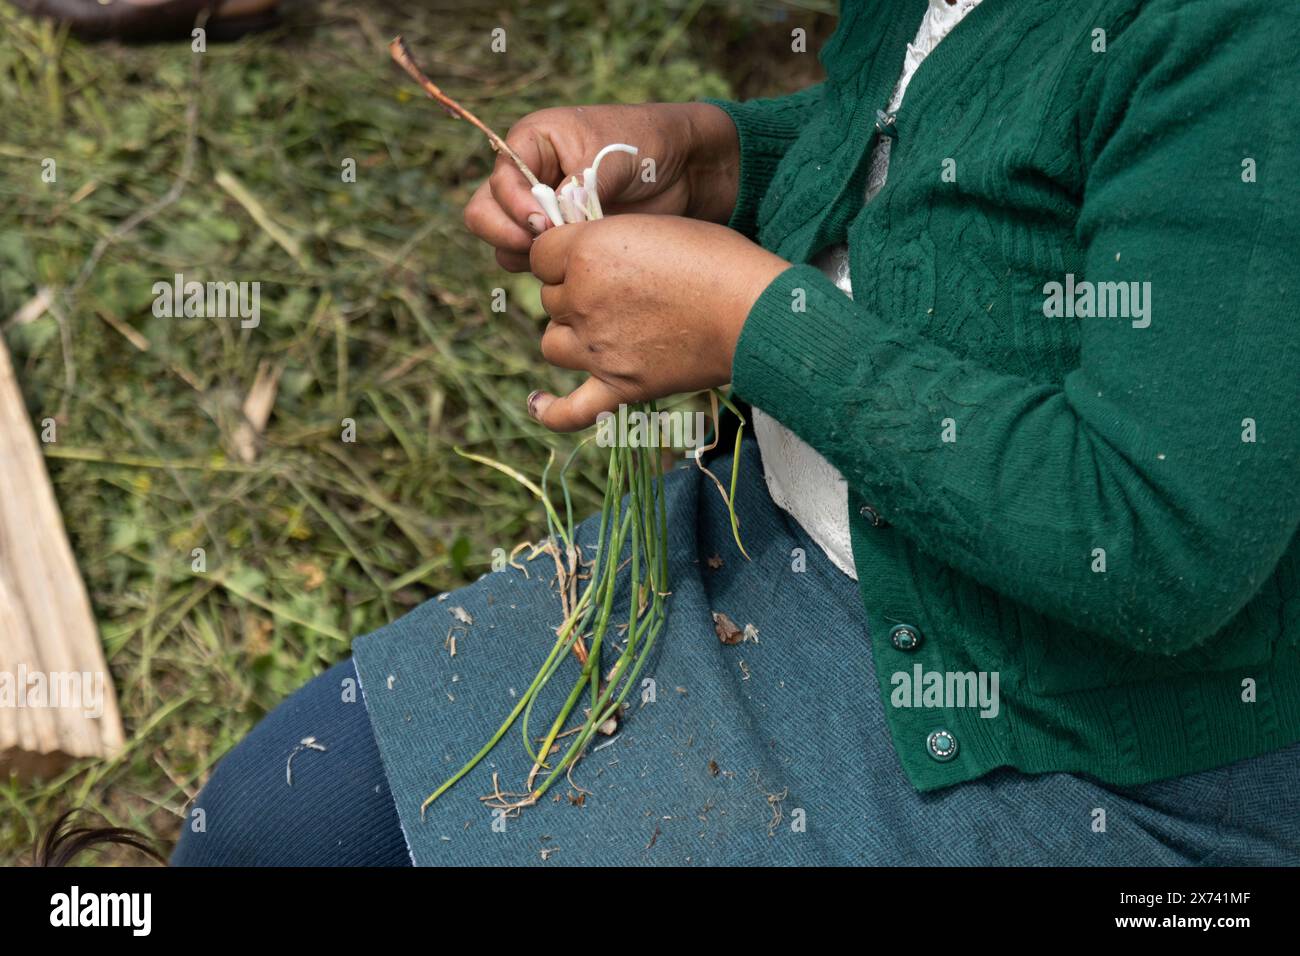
x: 375, y: 308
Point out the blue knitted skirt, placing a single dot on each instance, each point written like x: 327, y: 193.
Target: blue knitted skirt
x: 770, y: 751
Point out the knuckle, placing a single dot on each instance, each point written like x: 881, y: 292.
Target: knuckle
x: 580, y: 252
x: 581, y: 300
x: 518, y: 126
x: 550, y: 299
x: 509, y: 261
x: 497, y: 179
x: 473, y: 215
x: 550, y: 347
x: 521, y: 135
x: 528, y: 124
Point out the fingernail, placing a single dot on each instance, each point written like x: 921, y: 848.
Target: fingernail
x: 536, y: 222
x: 533, y: 398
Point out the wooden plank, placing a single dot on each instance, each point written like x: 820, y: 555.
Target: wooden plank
x: 57, y: 702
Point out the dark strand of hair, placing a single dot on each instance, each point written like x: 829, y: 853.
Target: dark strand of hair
x: 61, y: 843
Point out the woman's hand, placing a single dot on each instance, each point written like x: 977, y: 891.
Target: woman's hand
x: 649, y: 305
x: 693, y: 146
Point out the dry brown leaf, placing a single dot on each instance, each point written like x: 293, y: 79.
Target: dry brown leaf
x: 257, y: 410
x: 726, y: 629
x: 313, y: 576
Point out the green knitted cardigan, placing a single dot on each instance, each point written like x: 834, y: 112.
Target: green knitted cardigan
x: 1101, y: 511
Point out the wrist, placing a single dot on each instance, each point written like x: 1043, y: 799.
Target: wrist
x: 712, y: 161
x: 748, y: 282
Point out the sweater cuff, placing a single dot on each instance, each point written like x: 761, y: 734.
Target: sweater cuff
x: 793, y: 354
x: 766, y: 129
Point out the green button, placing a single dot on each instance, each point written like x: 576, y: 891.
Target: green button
x: 942, y: 745
x: 905, y: 637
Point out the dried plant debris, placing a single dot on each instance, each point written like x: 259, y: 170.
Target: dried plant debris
x: 726, y: 629
x: 774, y: 801
x: 307, y: 743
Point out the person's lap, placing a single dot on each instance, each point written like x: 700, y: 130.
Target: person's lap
x: 775, y: 752
x: 274, y: 801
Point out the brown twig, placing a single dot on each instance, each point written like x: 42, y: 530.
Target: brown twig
x: 402, y: 56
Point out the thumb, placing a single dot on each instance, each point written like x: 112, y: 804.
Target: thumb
x: 576, y: 410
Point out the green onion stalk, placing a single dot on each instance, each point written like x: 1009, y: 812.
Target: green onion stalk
x: 632, y: 534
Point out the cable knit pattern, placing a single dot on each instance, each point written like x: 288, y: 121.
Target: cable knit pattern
x: 799, y: 479
x: 1069, y: 502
